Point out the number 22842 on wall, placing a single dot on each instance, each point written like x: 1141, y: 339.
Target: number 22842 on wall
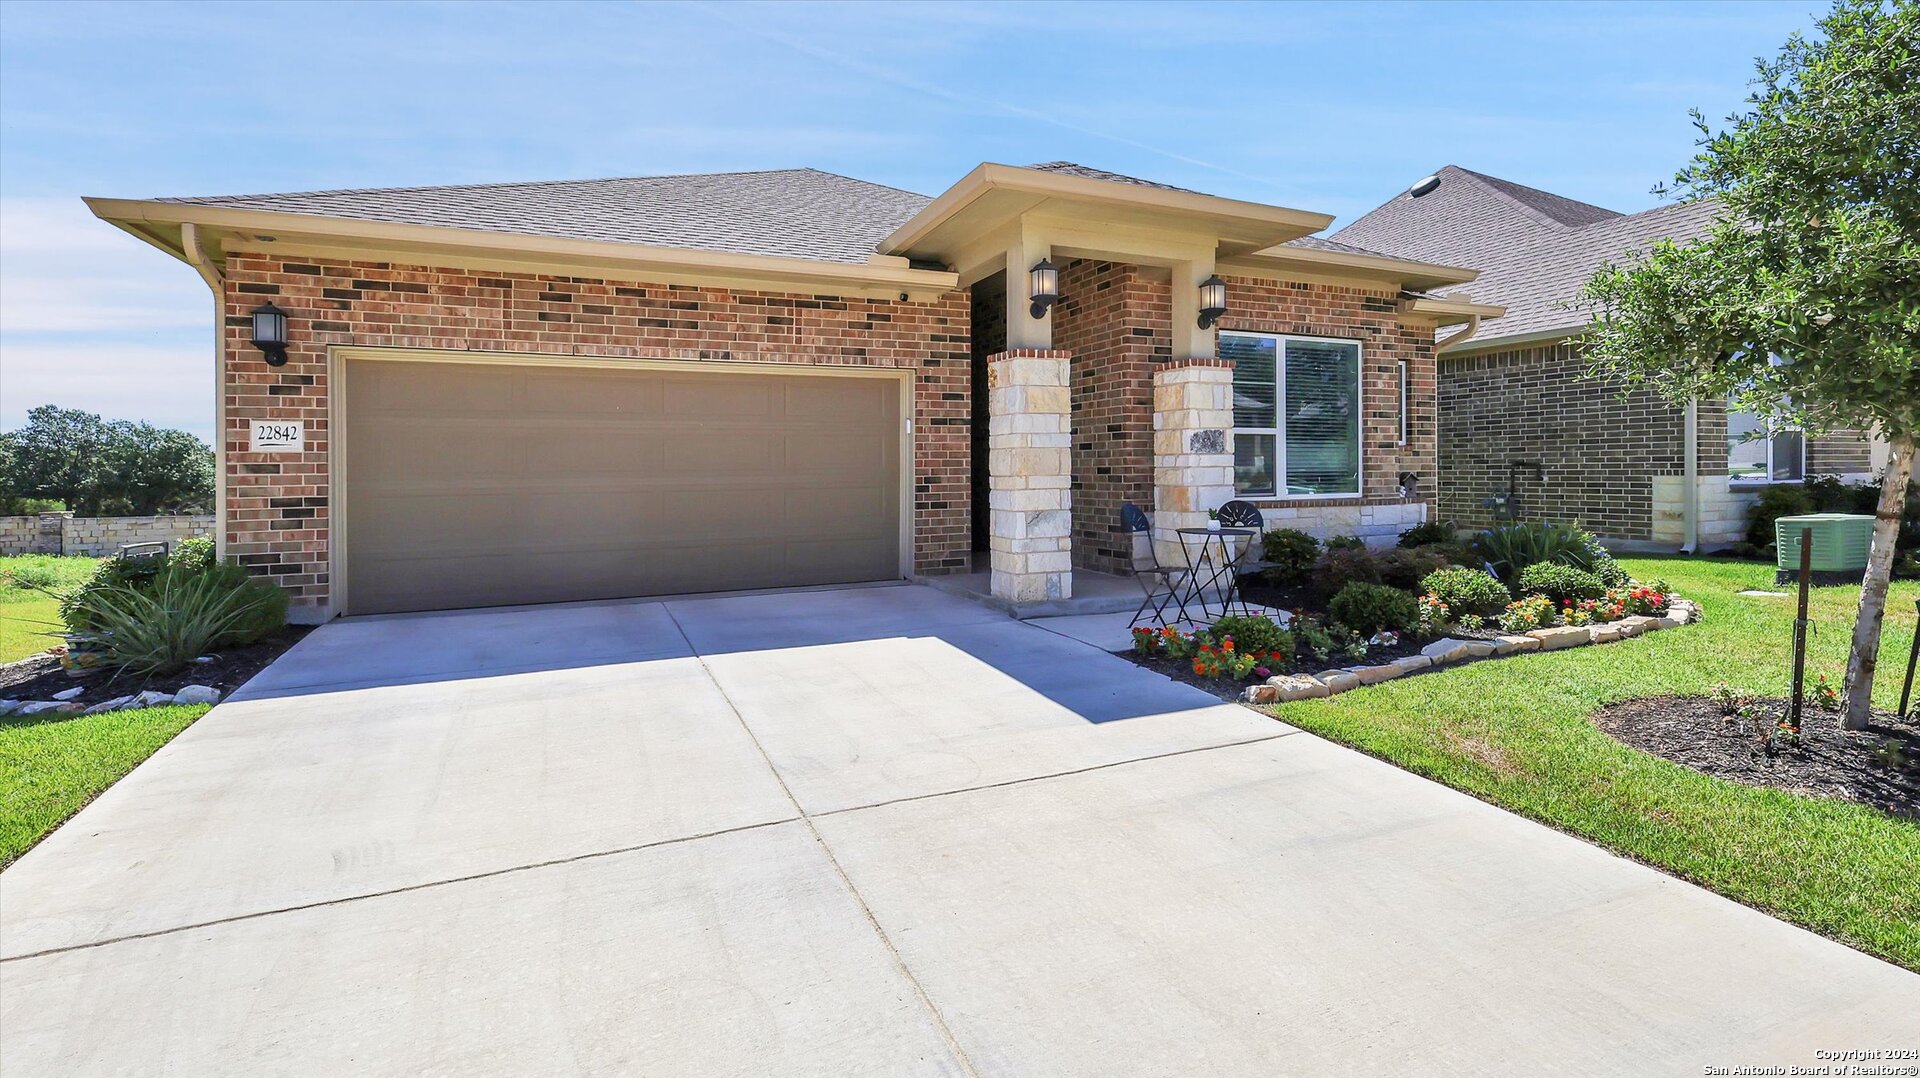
x: 278, y: 436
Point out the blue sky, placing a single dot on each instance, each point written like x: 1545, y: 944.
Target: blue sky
x: 1328, y: 107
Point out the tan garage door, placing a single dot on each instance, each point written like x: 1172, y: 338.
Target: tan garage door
x: 470, y: 484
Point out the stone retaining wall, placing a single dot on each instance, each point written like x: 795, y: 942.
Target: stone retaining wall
x: 64, y: 533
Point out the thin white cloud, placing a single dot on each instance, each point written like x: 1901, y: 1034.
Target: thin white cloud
x: 63, y: 271
x: 167, y: 384
x: 972, y: 102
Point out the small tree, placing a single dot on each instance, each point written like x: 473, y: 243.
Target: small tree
x: 1803, y: 301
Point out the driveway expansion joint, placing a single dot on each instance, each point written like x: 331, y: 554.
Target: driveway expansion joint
x: 899, y: 960
x: 424, y: 886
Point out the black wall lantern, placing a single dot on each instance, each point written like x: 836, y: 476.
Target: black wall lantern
x: 1213, y: 300
x: 270, y: 333
x: 1043, y: 286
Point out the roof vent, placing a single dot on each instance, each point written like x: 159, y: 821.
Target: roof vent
x: 1424, y: 186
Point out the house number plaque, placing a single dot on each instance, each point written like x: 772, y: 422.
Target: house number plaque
x: 278, y: 436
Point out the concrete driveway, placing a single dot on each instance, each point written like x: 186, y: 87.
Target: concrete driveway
x: 869, y: 831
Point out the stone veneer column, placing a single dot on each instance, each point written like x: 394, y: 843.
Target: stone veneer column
x: 1192, y: 448
x: 1029, y: 475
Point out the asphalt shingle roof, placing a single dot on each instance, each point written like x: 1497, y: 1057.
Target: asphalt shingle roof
x: 1069, y: 168
x: 792, y: 213
x: 1534, y: 249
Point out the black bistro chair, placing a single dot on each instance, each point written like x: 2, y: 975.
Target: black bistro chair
x: 1159, y: 584
x: 1244, y: 514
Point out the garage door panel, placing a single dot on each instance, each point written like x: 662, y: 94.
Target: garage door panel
x: 468, y: 449
x: 835, y: 452
x: 564, y: 451
x: 695, y: 450
x: 703, y: 396
x: 430, y: 389
x: 593, y: 483
x: 558, y: 392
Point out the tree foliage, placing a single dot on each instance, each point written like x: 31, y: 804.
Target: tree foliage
x: 104, y: 468
x: 1803, y: 301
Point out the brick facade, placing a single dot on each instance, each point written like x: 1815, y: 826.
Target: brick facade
x: 1606, y: 455
x: 1386, y: 337
x: 278, y: 516
x: 1116, y: 319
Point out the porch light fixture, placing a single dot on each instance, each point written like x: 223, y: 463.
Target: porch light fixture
x: 1213, y: 300
x: 270, y: 333
x: 1043, y: 287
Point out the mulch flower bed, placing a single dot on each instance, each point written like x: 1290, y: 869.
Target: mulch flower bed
x: 1878, y: 766
x: 1227, y: 688
x: 38, y: 677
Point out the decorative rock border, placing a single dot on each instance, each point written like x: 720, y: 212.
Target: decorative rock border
x: 1288, y: 687
x: 191, y: 694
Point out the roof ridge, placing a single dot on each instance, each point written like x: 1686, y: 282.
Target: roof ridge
x: 504, y: 184
x: 1504, y: 188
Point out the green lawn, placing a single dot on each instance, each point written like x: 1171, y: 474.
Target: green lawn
x: 28, y: 613
x: 52, y: 765
x: 1515, y: 732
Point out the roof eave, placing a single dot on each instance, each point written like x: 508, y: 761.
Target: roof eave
x: 1281, y: 222
x: 1477, y: 345
x: 1409, y: 273
x: 1458, y: 309
x: 158, y: 223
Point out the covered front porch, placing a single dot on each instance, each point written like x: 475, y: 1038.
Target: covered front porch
x: 1098, y: 379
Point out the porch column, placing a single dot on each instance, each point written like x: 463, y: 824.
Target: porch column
x: 1192, y: 448
x: 1029, y: 475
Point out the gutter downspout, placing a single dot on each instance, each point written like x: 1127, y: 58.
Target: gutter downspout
x: 1690, y: 496
x: 210, y: 273
x: 1472, y: 327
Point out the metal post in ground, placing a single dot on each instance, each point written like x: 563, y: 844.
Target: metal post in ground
x: 1913, y: 656
x: 1800, y: 631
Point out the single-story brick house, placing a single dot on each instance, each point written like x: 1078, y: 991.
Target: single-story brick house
x: 518, y: 393
x: 1519, y: 412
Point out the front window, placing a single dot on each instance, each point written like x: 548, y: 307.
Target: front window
x: 1762, y: 451
x: 1296, y: 414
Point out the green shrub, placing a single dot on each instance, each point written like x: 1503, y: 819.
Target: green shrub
x: 1346, y: 542
x: 1370, y: 608
x: 1292, y: 554
x: 1429, y: 533
x: 1774, y: 502
x: 192, y: 555
x: 1253, y: 634
x: 1560, y: 583
x: 76, y: 606
x: 160, y: 626
x: 1468, y: 591
x: 28, y: 507
x: 1405, y: 568
x: 1338, y: 568
x: 1510, y: 549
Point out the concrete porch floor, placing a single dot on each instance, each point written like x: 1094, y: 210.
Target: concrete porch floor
x: 1093, y: 593
x: 1100, y: 612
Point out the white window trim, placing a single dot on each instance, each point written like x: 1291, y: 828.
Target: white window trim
x: 1279, y: 406
x: 1773, y: 429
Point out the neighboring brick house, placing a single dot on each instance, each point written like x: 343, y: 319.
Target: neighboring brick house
x: 1520, y: 413
x: 516, y: 393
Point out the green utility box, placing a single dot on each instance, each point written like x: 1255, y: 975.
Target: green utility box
x: 1840, y: 545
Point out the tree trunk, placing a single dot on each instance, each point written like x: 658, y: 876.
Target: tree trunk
x: 1873, y: 588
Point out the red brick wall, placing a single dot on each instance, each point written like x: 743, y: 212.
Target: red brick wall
x: 277, y: 509
x: 1116, y: 320
x: 1386, y: 337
